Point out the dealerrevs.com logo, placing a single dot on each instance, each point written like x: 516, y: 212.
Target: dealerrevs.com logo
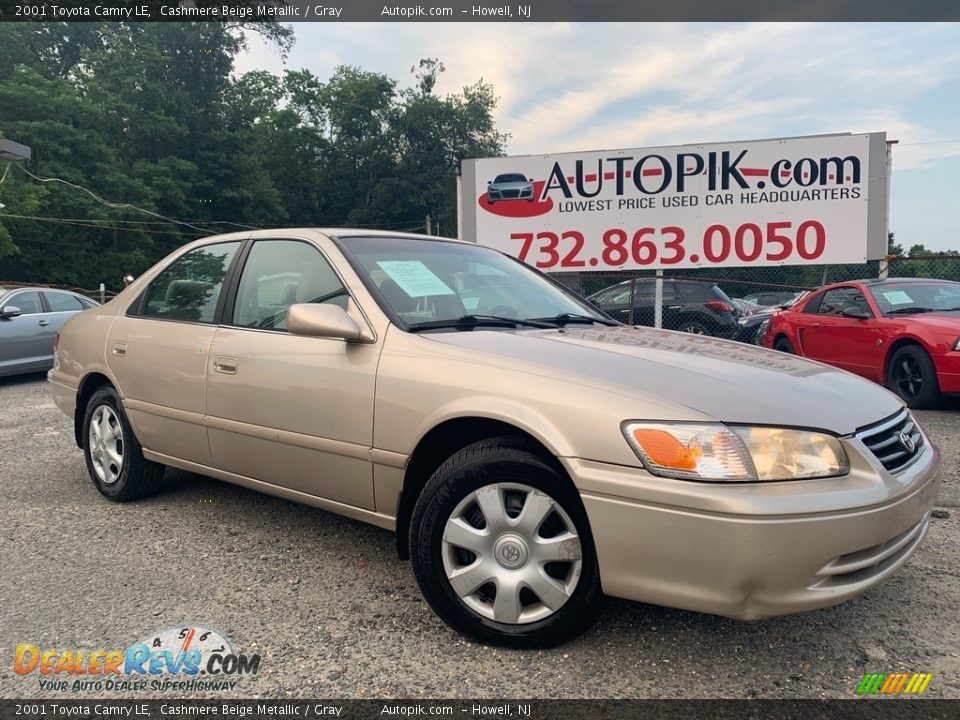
x: 180, y: 659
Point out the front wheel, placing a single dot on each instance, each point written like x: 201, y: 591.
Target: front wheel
x: 114, y: 457
x: 784, y: 345
x: 501, y: 548
x: 912, y: 375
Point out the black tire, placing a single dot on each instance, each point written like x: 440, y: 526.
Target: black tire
x: 784, y: 345
x: 135, y: 477
x: 912, y: 376
x: 695, y: 327
x: 483, y: 464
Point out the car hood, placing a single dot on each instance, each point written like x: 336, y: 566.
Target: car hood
x: 948, y: 322
x: 725, y: 380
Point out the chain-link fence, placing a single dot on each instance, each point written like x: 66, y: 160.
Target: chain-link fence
x: 690, y: 302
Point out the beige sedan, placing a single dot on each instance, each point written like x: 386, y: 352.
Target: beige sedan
x: 531, y: 454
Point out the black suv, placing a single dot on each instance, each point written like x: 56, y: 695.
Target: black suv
x: 694, y: 307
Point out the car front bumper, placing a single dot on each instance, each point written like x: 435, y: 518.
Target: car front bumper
x: 948, y: 371
x: 750, y: 551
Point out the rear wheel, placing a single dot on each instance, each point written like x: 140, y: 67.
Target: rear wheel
x: 784, y: 345
x: 694, y: 327
x: 912, y: 376
x: 502, y: 550
x: 114, y: 458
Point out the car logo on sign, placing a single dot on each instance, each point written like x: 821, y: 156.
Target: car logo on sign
x: 907, y: 442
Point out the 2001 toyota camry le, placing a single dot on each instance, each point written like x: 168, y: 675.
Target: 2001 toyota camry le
x: 531, y: 454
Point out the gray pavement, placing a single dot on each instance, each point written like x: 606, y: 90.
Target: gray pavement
x: 334, y: 613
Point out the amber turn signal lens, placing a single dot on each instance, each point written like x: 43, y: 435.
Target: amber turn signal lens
x: 665, y: 450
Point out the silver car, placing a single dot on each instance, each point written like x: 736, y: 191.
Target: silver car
x: 510, y: 186
x: 30, y: 319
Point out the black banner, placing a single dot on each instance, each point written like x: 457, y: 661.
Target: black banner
x: 854, y: 709
x: 476, y: 10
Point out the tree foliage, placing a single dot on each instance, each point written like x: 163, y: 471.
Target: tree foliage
x: 154, y: 115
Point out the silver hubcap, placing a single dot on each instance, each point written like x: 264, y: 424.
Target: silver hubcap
x: 106, y: 444
x: 511, y: 553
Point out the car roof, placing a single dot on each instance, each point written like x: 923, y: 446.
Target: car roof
x: 872, y: 282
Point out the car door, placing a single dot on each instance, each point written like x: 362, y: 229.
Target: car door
x: 157, y: 351
x: 25, y: 343
x: 849, y: 343
x: 61, y: 307
x: 284, y: 409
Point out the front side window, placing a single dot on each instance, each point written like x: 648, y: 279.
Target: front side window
x: 425, y: 281
x: 835, y: 301
x: 28, y: 302
x: 61, y: 302
x: 281, y: 273
x: 617, y: 295
x: 189, y: 287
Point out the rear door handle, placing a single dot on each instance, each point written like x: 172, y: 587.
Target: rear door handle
x: 226, y: 365
x: 43, y: 323
x: 119, y: 349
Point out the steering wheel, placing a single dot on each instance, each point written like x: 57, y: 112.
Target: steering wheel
x: 504, y: 311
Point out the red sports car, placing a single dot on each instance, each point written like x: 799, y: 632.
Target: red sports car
x: 901, y: 332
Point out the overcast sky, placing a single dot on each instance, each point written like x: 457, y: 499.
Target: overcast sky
x: 572, y: 86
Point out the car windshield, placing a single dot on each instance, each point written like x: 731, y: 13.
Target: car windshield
x: 916, y: 297
x: 510, y: 177
x: 423, y: 281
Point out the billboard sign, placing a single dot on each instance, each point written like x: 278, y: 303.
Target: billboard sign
x: 791, y: 201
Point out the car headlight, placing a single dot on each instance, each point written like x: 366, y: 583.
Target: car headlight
x: 956, y: 345
x: 714, y: 452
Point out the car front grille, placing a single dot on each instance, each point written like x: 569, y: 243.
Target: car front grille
x: 510, y: 193
x: 855, y: 567
x: 894, y: 441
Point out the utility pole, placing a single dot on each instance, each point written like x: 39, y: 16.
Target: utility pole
x: 429, y: 225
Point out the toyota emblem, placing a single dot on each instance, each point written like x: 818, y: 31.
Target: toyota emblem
x: 907, y: 442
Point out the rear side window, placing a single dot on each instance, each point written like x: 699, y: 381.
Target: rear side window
x: 281, y: 273
x: 188, y: 289
x: 695, y: 292
x: 61, y: 302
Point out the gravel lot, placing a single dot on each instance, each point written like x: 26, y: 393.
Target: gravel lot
x: 334, y: 613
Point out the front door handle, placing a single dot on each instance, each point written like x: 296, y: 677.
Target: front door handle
x: 43, y: 323
x: 226, y: 365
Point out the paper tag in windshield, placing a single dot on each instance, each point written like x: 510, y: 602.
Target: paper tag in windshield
x: 897, y: 297
x: 414, y: 278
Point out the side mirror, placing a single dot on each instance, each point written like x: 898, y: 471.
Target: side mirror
x: 329, y: 321
x: 856, y: 312
x: 489, y: 182
x: 9, y: 311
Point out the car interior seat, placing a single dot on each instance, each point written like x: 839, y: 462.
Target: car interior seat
x: 188, y: 300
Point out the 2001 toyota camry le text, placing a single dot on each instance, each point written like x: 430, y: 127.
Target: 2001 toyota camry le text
x: 531, y: 454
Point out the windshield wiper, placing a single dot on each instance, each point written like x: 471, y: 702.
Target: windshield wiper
x: 910, y: 310
x: 471, y: 321
x: 568, y: 318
